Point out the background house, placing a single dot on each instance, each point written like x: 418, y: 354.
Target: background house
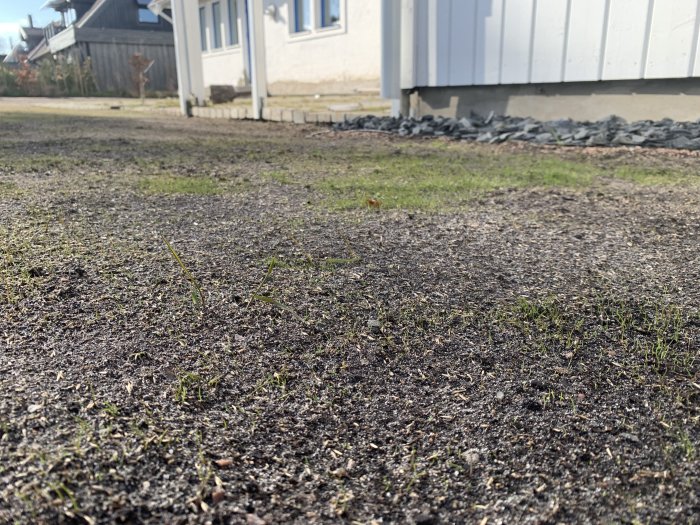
x: 30, y: 37
x: 109, y: 33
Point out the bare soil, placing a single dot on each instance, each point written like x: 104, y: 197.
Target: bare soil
x: 531, y: 357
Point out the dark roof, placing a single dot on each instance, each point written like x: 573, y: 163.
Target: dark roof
x: 39, y: 51
x: 31, y: 32
x: 56, y: 4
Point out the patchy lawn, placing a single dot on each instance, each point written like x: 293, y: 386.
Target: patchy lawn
x: 231, y: 322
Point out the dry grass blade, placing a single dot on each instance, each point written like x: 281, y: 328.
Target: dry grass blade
x: 188, y: 275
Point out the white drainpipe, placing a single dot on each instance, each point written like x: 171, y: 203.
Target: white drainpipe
x: 391, y: 53
x: 408, y: 51
x: 258, y: 73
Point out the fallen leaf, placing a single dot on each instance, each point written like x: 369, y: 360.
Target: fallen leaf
x: 252, y: 519
x: 217, y: 495
x: 224, y: 463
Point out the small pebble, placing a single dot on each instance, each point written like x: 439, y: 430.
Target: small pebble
x: 374, y: 326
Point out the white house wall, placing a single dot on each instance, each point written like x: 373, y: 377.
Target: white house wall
x: 322, y: 60
x: 224, y: 68
x: 350, y: 54
x: 226, y: 65
x: 490, y: 42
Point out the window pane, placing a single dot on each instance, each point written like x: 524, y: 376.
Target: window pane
x: 330, y: 13
x: 146, y: 17
x: 203, y: 27
x: 302, y: 15
x: 232, y: 23
x: 216, y: 22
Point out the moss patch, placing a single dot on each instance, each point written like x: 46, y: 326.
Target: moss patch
x: 168, y: 184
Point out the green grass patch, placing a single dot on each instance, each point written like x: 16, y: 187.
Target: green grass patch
x: 655, y: 176
x: 9, y: 189
x: 443, y: 180
x: 168, y: 185
x: 280, y: 177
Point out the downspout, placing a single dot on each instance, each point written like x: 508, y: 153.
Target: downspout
x: 258, y: 68
x: 408, y: 54
x: 391, y: 54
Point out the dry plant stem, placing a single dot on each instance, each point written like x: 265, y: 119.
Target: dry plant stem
x: 186, y: 272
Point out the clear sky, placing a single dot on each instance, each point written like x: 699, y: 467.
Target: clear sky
x: 14, y: 12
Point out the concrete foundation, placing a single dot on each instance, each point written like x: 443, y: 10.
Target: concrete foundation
x: 339, y: 87
x: 678, y: 99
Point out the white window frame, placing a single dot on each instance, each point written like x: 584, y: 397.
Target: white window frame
x: 223, y: 27
x: 317, y: 31
x: 207, y: 24
x: 239, y: 28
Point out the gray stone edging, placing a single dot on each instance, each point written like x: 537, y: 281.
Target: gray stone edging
x: 272, y: 115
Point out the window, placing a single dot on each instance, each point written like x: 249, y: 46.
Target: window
x: 232, y: 23
x: 203, y: 27
x: 302, y: 15
x: 145, y: 14
x: 216, y: 23
x: 313, y: 15
x: 330, y: 13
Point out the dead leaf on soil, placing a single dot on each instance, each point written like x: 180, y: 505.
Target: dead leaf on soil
x: 224, y: 463
x: 663, y: 474
x: 252, y: 519
x: 217, y: 495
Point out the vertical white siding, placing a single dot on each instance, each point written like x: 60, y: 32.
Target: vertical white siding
x: 549, y: 42
x: 626, y: 39
x: 462, y: 42
x: 517, y: 40
x: 587, y: 21
x: 487, y: 64
x: 671, y: 43
x: 488, y: 42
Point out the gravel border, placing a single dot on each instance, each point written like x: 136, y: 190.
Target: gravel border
x: 493, y: 129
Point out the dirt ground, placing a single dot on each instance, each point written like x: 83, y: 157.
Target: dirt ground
x: 196, y: 326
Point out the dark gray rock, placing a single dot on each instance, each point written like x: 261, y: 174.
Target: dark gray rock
x: 599, y: 139
x: 220, y: 94
x: 374, y: 326
x: 425, y: 519
x: 627, y: 139
x: 679, y: 142
x: 582, y: 133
